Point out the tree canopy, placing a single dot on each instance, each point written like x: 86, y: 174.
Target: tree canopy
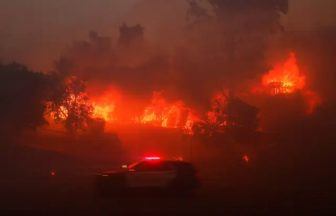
x: 22, y: 96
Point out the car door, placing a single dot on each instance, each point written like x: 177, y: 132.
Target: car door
x: 150, y: 174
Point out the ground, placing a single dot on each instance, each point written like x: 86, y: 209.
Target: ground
x: 28, y: 187
x: 77, y: 197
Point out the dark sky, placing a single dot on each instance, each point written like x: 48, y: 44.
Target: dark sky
x: 35, y: 31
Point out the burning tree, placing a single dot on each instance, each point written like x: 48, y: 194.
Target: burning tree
x: 285, y: 78
x: 26, y: 97
x: 71, y: 105
x: 228, y: 114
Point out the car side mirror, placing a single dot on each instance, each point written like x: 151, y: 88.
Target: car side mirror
x: 124, y: 166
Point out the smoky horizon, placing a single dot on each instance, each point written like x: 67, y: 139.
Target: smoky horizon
x: 230, y: 103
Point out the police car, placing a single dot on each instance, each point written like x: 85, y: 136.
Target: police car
x: 150, y: 173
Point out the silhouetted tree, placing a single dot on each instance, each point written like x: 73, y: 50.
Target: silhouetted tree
x: 228, y: 114
x: 262, y: 15
x: 196, y: 12
x: 249, y: 20
x: 243, y: 29
x: 23, y: 94
x: 241, y: 116
x: 130, y: 34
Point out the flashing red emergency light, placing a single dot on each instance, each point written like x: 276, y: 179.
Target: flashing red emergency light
x: 246, y: 158
x: 153, y: 158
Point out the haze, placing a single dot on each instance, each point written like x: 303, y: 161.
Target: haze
x: 35, y: 32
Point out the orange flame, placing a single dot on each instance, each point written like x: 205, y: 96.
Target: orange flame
x: 216, y: 114
x: 168, y: 115
x: 285, y: 78
x: 103, y: 111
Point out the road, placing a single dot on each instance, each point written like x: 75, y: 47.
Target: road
x: 75, y: 196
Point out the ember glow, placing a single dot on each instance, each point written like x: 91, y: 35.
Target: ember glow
x: 63, y: 112
x: 312, y: 100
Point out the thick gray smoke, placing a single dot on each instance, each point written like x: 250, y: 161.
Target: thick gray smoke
x: 220, y: 45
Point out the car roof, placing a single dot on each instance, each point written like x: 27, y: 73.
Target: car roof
x: 173, y: 162
x: 169, y: 161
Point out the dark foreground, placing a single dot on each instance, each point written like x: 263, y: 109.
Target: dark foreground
x: 75, y: 196
x: 28, y: 187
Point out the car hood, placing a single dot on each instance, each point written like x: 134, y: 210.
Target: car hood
x: 113, y: 172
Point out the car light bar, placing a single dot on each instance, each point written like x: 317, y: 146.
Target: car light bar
x: 152, y: 158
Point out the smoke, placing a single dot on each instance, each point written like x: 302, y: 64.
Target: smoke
x: 189, y: 50
x: 198, y: 48
x: 52, y: 24
x: 193, y: 51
